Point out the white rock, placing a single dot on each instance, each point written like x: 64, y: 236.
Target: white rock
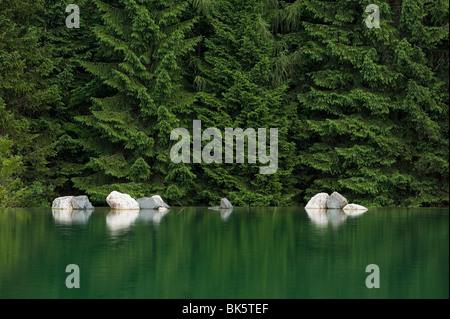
x: 119, y: 201
x: 318, y: 201
x: 354, y: 209
x: 63, y: 202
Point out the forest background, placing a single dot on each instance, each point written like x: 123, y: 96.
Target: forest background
x: 363, y: 111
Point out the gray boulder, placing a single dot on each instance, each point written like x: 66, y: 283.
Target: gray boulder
x: 336, y: 201
x: 318, y: 201
x: 154, y: 202
x: 225, y: 204
x: 81, y: 202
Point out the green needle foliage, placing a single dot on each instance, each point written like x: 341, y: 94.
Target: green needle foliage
x: 142, y: 62
x: 363, y: 111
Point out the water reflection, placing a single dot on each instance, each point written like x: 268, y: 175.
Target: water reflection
x: 225, y: 213
x: 153, y: 216
x: 324, y: 217
x: 286, y: 256
x: 69, y: 216
x: 355, y: 212
x: 121, y: 220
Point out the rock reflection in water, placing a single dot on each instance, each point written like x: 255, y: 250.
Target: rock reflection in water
x: 323, y: 217
x: 119, y: 220
x: 352, y: 213
x: 69, y: 216
x: 225, y: 213
x: 152, y: 215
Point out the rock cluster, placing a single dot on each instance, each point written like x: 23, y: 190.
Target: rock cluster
x: 120, y: 201
x: 115, y: 200
x: 72, y: 202
x: 333, y: 201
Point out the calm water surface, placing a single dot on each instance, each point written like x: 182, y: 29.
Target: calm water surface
x: 199, y: 253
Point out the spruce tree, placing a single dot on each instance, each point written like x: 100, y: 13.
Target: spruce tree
x: 373, y: 120
x: 28, y: 94
x: 127, y: 130
x: 237, y: 89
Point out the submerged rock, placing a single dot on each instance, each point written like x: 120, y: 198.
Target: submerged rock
x: 120, y: 201
x: 318, y: 201
x: 154, y: 202
x: 336, y: 201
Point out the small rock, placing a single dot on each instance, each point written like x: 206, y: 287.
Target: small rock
x: 63, y: 202
x: 352, y: 207
x: 336, y: 201
x: 119, y: 201
x: 225, y: 204
x: 81, y: 202
x: 154, y: 202
x: 318, y: 201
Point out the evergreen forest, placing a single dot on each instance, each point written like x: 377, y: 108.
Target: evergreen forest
x: 359, y: 110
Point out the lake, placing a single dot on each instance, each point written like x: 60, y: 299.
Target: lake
x: 260, y: 253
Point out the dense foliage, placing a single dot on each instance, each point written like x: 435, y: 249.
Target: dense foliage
x: 362, y: 111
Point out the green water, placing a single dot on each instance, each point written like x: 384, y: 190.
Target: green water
x: 199, y: 253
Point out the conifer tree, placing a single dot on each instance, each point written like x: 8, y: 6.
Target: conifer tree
x: 237, y: 90
x: 127, y: 133
x: 372, y: 112
x: 363, y: 111
x: 28, y: 92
